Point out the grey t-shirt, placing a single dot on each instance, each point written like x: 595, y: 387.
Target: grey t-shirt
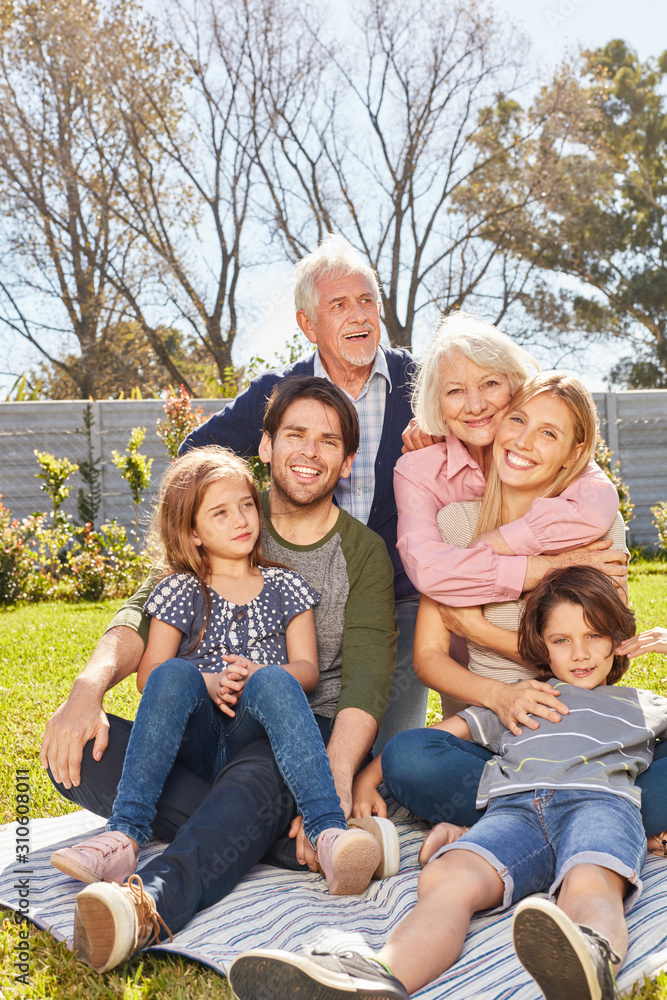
x: 603, y: 743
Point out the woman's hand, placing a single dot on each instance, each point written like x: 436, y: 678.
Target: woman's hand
x: 654, y: 640
x: 466, y: 622
x: 514, y: 704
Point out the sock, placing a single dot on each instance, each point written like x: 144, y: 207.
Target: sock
x: 374, y: 958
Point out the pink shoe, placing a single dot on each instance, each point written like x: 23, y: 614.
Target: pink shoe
x: 348, y: 859
x: 441, y: 835
x: 110, y: 857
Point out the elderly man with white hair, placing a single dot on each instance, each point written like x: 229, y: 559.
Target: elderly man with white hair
x: 337, y: 299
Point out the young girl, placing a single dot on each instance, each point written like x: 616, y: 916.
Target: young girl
x: 231, y: 651
x: 562, y: 817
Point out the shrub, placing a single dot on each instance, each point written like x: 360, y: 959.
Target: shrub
x: 660, y: 521
x: 16, y: 558
x: 55, y: 473
x: 135, y: 470
x: 103, y: 564
x: 180, y: 419
x: 603, y: 458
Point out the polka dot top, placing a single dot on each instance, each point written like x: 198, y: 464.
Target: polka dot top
x: 255, y: 630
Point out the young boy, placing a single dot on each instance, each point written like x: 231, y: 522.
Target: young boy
x: 563, y: 816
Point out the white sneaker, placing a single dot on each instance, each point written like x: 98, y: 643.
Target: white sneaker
x: 385, y: 833
x: 113, y: 921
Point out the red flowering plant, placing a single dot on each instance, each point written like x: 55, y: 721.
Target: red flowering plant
x: 180, y: 419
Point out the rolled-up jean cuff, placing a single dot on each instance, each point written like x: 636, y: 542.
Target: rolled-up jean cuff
x: 602, y: 860
x: 503, y: 871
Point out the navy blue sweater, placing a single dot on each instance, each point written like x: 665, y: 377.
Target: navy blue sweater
x: 239, y: 427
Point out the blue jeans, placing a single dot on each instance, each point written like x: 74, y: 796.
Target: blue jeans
x: 409, y: 697
x: 436, y: 775
x: 177, y: 720
x: 218, y: 832
x: 533, y: 839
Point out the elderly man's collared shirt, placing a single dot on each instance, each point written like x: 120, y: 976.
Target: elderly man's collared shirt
x: 355, y: 494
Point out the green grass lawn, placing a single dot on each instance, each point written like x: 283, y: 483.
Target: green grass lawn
x: 42, y: 649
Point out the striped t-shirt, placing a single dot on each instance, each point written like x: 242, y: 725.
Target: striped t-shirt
x: 602, y: 744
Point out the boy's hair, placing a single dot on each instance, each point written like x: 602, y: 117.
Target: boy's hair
x: 602, y: 607
x: 295, y: 388
x: 182, y: 490
x: 334, y: 258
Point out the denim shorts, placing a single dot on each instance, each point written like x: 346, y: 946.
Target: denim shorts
x: 533, y: 839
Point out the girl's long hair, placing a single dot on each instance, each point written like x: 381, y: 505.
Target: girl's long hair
x: 584, y: 417
x: 182, y: 489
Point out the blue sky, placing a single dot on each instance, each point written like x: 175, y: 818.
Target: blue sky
x: 555, y: 27
x: 558, y: 25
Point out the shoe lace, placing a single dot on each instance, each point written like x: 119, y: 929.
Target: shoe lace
x: 149, y: 919
x: 606, y: 954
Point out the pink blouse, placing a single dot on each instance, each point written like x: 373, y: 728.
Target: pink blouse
x: 426, y: 480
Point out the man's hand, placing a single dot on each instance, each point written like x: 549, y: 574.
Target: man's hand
x: 305, y: 854
x: 414, y: 438
x: 600, y: 555
x: 367, y: 799
x: 80, y: 719
x: 351, y: 739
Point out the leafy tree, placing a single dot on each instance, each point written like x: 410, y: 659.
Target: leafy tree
x: 69, y: 261
x: 128, y: 362
x: 601, y: 219
x: 387, y: 141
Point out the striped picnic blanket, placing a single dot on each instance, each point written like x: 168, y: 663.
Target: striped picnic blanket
x: 273, y: 908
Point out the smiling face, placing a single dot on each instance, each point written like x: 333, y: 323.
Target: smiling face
x: 577, y: 653
x: 346, y: 326
x: 534, y: 443
x: 472, y: 400
x: 307, y: 455
x: 227, y: 522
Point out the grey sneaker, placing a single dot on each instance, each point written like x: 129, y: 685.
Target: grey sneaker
x: 566, y: 960
x: 280, y: 975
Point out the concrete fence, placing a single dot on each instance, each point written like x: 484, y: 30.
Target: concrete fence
x: 634, y: 425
